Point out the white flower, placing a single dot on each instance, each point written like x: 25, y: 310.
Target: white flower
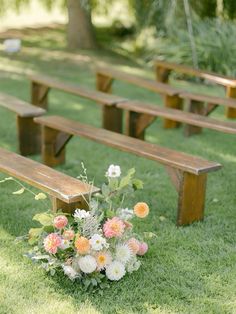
x: 123, y: 253
x: 70, y: 272
x: 87, y: 264
x: 64, y: 244
x: 97, y: 242
x: 125, y: 213
x: 133, y: 265
x: 113, y: 171
x: 81, y: 214
x: 115, y: 271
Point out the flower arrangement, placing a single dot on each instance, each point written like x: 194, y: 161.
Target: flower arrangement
x: 97, y: 244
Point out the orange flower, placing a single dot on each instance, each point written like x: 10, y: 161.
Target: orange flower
x: 141, y: 210
x: 82, y: 245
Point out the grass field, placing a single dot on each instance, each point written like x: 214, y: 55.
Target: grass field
x: 187, y: 270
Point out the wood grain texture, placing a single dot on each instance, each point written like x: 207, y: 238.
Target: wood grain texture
x: 20, y: 107
x: 180, y: 116
x: 162, y: 74
x: 192, y: 195
x: 39, y: 95
x: 138, y: 80
x: 165, y: 156
x: 196, y: 107
x: 173, y: 102
x: 136, y: 123
x: 207, y: 75
x: 231, y: 111
x: 99, y: 97
x: 56, y: 184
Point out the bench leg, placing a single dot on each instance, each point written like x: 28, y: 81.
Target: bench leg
x: 231, y: 93
x: 57, y: 205
x: 162, y: 74
x: 49, y: 144
x: 136, y: 124
x: 198, y: 108
x: 39, y: 95
x: 29, y: 136
x: 174, y: 102
x: 192, y: 191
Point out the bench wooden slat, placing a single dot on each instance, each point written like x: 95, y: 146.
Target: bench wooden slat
x: 180, y: 116
x: 210, y: 76
x: 140, y: 81
x: 20, y: 107
x: 165, y: 156
x: 101, y: 98
x: 57, y: 184
x: 227, y: 102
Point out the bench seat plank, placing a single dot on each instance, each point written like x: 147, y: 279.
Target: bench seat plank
x: 101, y: 98
x: 140, y: 81
x: 165, y: 156
x: 180, y: 116
x: 57, y: 184
x: 210, y: 76
x: 20, y: 107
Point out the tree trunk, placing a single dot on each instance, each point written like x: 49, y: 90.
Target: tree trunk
x: 80, y: 29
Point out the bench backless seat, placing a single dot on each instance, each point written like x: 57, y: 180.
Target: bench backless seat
x: 188, y: 173
x: 67, y: 193
x: 41, y: 85
x: 164, y: 68
x: 140, y: 115
x: 29, y: 139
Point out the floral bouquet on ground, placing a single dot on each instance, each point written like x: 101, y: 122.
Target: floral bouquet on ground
x: 97, y: 244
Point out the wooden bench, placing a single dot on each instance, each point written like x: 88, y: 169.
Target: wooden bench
x: 105, y: 77
x: 29, y: 136
x: 188, y: 173
x: 67, y: 193
x: 164, y: 68
x: 111, y: 116
x: 140, y: 115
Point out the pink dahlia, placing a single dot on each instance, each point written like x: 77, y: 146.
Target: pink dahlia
x: 60, y: 222
x: 143, y: 247
x: 113, y: 228
x: 69, y: 234
x: 52, y: 242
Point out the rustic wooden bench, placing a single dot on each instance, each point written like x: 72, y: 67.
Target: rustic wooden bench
x: 140, y: 115
x: 105, y: 77
x: 29, y: 135
x: 164, y: 68
x: 67, y: 193
x: 111, y: 116
x: 188, y: 173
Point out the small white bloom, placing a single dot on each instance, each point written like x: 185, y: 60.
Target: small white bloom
x: 123, y: 253
x: 97, y: 242
x: 133, y: 265
x: 115, y: 271
x: 64, y: 244
x: 81, y: 214
x: 70, y: 272
x: 113, y: 171
x: 87, y: 264
x: 125, y: 213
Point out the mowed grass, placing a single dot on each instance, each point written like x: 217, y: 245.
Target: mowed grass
x: 187, y: 270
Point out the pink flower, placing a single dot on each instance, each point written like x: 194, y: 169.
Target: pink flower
x: 113, y: 227
x: 69, y: 234
x: 52, y: 242
x: 60, y: 222
x: 134, y: 245
x: 143, y: 247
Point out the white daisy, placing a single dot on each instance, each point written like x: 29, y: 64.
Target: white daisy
x: 115, y: 271
x: 123, y: 253
x: 97, y: 242
x: 81, y: 214
x: 133, y: 265
x: 70, y: 272
x: 87, y: 264
x: 113, y: 171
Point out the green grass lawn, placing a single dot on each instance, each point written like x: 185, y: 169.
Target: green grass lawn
x: 187, y: 270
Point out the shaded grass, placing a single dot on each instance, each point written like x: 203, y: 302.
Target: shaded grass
x: 187, y: 270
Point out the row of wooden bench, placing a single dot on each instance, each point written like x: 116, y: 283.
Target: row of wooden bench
x: 188, y: 173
